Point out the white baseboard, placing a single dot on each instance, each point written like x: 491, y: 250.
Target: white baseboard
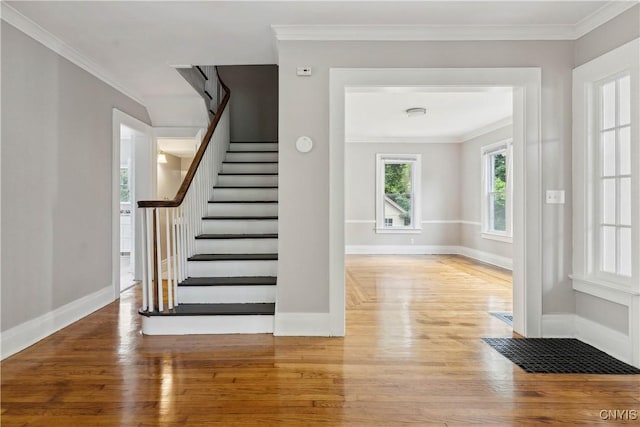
x: 400, y: 250
x: 486, y: 257
x: 489, y: 258
x: 303, y: 324
x: 610, y: 341
x: 30, y: 332
x: 606, y: 339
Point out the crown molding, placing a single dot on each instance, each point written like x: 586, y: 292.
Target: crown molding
x: 602, y: 15
x: 403, y: 140
x: 453, y: 32
x: 422, y: 32
x: 459, y: 139
x: 41, y: 35
x: 507, y: 121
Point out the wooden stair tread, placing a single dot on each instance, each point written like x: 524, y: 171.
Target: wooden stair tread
x: 233, y: 257
x: 238, y: 236
x: 236, y: 309
x: 230, y: 281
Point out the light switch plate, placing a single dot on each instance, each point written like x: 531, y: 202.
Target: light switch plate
x: 303, y: 71
x: 555, y: 197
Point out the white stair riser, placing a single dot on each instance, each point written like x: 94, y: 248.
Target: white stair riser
x: 232, y: 268
x: 242, y: 209
x: 226, y: 294
x: 251, y: 157
x: 236, y: 246
x: 230, y: 194
x: 248, y: 180
x: 250, y: 167
x: 189, y: 325
x: 239, y: 226
x: 253, y: 146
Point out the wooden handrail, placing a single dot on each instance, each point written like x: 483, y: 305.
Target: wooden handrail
x: 186, y: 183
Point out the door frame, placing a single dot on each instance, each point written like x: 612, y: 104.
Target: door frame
x: 121, y: 118
x: 527, y: 194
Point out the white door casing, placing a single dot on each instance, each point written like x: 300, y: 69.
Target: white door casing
x: 527, y: 201
x: 144, y: 180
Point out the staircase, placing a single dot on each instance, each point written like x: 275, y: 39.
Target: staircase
x: 218, y: 237
x: 231, y: 278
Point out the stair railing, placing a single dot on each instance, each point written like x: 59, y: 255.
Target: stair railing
x: 182, y: 215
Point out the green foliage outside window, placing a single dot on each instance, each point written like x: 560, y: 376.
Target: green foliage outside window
x: 397, y: 187
x: 499, y: 188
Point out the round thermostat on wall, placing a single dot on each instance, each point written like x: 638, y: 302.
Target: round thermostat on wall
x: 304, y: 144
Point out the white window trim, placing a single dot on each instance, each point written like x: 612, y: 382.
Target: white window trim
x: 416, y: 180
x: 585, y: 152
x: 506, y: 236
x: 587, y: 80
x: 598, y: 154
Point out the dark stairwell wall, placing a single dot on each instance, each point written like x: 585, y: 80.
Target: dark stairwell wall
x: 254, y: 101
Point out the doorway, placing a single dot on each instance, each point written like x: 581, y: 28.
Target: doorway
x: 437, y: 160
x: 127, y: 196
x: 133, y: 179
x: 526, y: 86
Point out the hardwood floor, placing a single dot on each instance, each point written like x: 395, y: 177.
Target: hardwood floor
x: 412, y: 355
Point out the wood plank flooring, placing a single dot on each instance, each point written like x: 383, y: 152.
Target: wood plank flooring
x: 412, y: 355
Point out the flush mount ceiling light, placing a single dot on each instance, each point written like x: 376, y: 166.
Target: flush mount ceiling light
x: 416, y: 111
x: 161, y: 157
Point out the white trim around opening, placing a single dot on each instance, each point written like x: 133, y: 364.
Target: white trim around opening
x: 527, y: 203
x: 148, y: 160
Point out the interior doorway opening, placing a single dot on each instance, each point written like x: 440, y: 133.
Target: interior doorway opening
x: 527, y: 193
x: 429, y: 170
x: 133, y: 179
x: 127, y: 197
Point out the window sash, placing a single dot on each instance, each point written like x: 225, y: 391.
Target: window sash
x: 414, y: 161
x: 489, y: 154
x: 612, y: 261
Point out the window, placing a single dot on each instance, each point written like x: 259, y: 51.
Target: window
x: 496, y: 194
x: 398, y: 193
x: 124, y: 185
x: 613, y: 177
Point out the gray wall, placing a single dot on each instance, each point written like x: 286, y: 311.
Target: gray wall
x: 618, y: 31
x: 56, y: 179
x: 254, y: 101
x: 440, y: 199
x: 471, y: 194
x: 303, y: 276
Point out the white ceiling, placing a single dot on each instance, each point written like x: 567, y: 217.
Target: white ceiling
x: 180, y: 147
x: 379, y: 114
x: 134, y: 44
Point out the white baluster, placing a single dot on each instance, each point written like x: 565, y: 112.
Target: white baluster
x: 181, y: 255
x: 145, y: 303
x: 159, y: 261
x: 149, y: 259
x: 170, y: 257
x: 175, y: 256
